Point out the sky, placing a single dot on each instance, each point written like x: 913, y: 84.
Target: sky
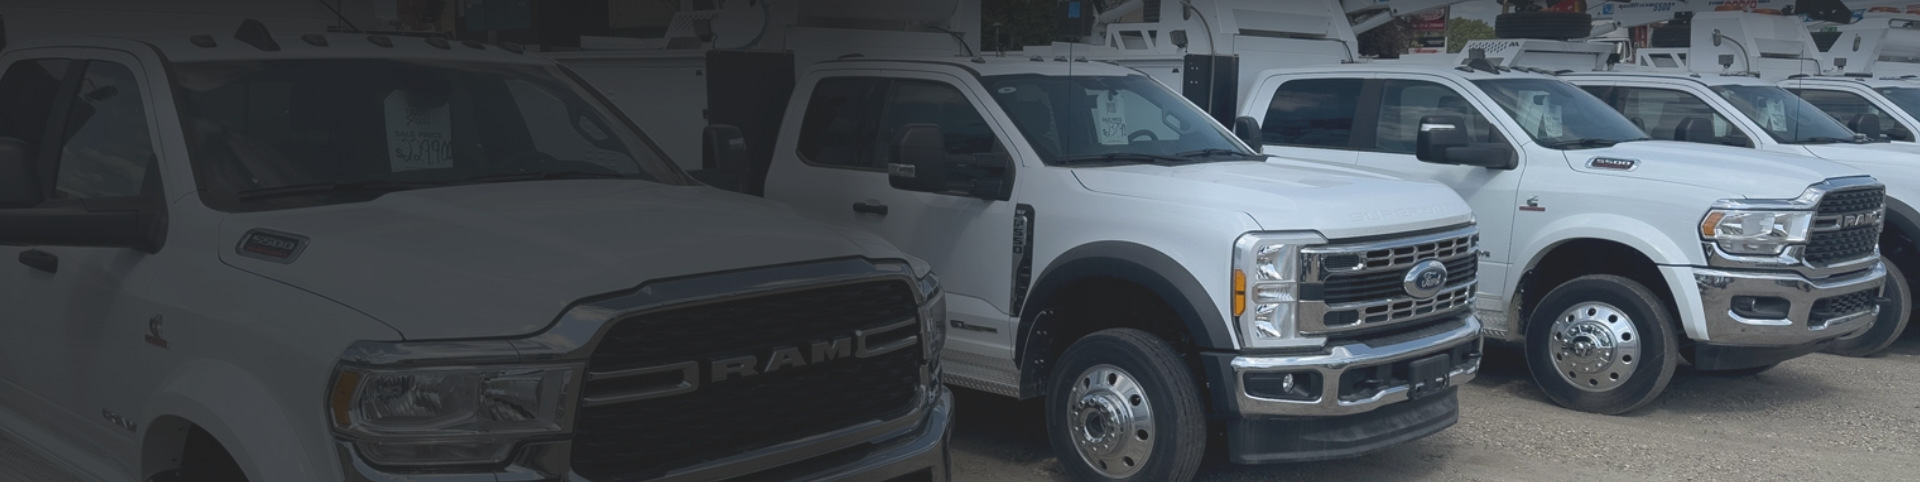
x: 1482, y: 10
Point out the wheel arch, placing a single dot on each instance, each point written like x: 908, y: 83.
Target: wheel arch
x: 1601, y: 250
x: 1903, y: 222
x: 243, y: 416
x: 1133, y: 264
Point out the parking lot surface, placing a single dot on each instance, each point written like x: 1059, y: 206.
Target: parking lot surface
x: 1819, y: 417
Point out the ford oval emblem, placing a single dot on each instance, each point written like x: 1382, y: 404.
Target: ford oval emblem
x: 1425, y: 279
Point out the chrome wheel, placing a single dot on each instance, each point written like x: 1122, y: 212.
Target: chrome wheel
x: 1111, y: 423
x: 1595, y: 346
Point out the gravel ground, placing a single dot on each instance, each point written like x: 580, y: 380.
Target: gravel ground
x: 1819, y: 417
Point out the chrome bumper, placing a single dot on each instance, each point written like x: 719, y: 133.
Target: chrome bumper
x: 1355, y: 356
x: 1718, y: 288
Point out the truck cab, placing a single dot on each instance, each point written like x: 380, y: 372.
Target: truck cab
x: 1615, y: 255
x: 367, y: 258
x: 1110, y: 248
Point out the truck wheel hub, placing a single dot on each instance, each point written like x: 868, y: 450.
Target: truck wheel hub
x: 1594, y: 346
x: 1112, y: 421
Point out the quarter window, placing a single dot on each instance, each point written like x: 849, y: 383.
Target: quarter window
x: 1312, y: 113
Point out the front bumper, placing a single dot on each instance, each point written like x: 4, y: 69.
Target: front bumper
x: 1345, y: 399
x: 918, y: 455
x: 1726, y: 326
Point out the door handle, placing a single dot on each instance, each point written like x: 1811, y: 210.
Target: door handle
x: 870, y: 207
x: 40, y: 260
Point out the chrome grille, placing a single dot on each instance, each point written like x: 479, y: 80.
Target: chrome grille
x: 1359, y: 286
x: 1846, y: 226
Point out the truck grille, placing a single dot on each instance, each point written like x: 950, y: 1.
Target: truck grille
x: 643, y: 439
x: 1831, y: 240
x: 1358, y: 287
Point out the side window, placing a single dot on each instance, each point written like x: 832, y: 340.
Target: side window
x: 1660, y: 112
x: 1404, y: 102
x: 1842, y: 105
x: 1312, y: 113
x: 28, y: 91
x: 107, y: 151
x: 839, y: 123
x: 926, y: 102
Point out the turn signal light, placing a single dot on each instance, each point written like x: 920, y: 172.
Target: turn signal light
x: 1239, y: 292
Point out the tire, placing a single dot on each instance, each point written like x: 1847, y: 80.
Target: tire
x: 1543, y: 25
x: 1887, y: 328
x: 1601, y: 343
x: 1108, y: 377
x: 1672, y: 35
x: 1740, y: 372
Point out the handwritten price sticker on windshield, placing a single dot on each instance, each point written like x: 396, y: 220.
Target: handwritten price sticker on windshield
x: 418, y: 137
x: 1110, y: 120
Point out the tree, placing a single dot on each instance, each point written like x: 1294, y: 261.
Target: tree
x: 1463, y: 30
x: 1387, y: 41
x: 1023, y: 22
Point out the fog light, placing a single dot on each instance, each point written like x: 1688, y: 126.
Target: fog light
x: 1301, y: 386
x: 1761, y: 307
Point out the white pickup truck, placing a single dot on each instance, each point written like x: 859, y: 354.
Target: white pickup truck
x: 1107, y: 246
x: 1609, y: 255
x: 369, y: 258
x: 1743, y: 110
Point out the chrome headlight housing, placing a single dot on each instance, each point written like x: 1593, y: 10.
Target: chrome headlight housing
x: 1266, y: 287
x: 449, y: 416
x: 1756, y: 232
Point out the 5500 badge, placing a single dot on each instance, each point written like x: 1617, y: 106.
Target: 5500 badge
x: 271, y: 245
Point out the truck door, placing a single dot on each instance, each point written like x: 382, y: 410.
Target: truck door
x: 75, y: 316
x: 845, y: 142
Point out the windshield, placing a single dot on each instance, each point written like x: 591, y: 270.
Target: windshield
x: 1786, y: 117
x: 1558, y: 115
x: 295, y: 133
x: 1071, y: 118
x: 1906, y: 98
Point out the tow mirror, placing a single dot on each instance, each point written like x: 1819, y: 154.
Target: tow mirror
x: 1866, y: 125
x: 1443, y: 139
x: 1248, y: 130
x: 919, y: 159
x: 724, y: 160
x: 19, y: 186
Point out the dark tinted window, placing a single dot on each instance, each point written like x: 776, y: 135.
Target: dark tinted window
x: 1843, y: 105
x: 108, y: 151
x: 925, y: 102
x: 1072, y: 119
x: 27, y: 91
x: 1312, y: 112
x: 1404, y: 102
x: 839, y: 123
x: 1661, y: 111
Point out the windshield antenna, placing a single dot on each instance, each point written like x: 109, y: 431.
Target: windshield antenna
x: 337, y: 14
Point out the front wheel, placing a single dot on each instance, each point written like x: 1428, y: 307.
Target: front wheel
x: 1885, y: 329
x: 1602, y: 344
x: 1123, y: 406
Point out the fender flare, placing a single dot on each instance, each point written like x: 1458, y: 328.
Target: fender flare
x: 1132, y: 262
x: 256, y: 434
x: 1633, y: 233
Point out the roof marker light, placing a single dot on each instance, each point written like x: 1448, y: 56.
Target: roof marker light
x: 254, y: 33
x: 314, y: 39
x: 203, y: 41
x: 380, y: 40
x: 438, y: 43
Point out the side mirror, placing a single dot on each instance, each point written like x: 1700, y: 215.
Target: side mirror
x: 19, y: 185
x: 1897, y: 133
x: 1248, y: 130
x: 724, y: 159
x: 1443, y: 139
x: 919, y: 159
x: 1867, y: 125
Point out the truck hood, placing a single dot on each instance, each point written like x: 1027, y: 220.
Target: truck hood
x: 1740, y: 171
x: 1876, y: 154
x: 506, y: 259
x: 1284, y: 194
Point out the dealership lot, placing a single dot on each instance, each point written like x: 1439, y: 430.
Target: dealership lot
x: 1820, y: 417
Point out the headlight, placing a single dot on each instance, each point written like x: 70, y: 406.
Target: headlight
x: 447, y: 416
x: 1266, y: 285
x: 1764, y: 233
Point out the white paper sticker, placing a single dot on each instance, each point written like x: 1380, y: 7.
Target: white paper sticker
x: 417, y: 138
x: 1776, y: 117
x: 1553, y: 125
x: 1110, y: 120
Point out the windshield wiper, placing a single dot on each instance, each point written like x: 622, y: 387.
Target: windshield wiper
x: 1829, y: 140
x: 544, y: 175
x: 1218, y: 152
x: 380, y: 186
x: 1589, y: 143
x: 1113, y: 157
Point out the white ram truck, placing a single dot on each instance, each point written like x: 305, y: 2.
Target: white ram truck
x: 1609, y: 255
x: 1107, y: 246
x: 368, y: 258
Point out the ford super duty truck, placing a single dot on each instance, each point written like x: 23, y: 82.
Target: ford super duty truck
x: 369, y: 258
x: 1107, y: 246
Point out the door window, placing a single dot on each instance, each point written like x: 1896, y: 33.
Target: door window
x: 1661, y: 111
x: 1312, y: 113
x: 1844, y: 106
x: 925, y: 102
x: 28, y: 90
x: 1405, y: 102
x: 839, y: 123
x: 107, y: 151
